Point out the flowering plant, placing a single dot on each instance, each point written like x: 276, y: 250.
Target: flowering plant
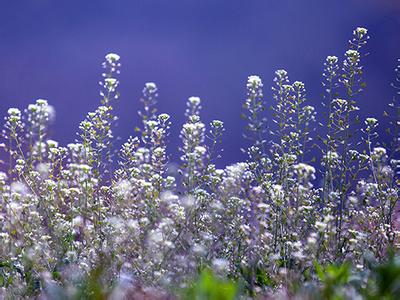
x: 68, y: 213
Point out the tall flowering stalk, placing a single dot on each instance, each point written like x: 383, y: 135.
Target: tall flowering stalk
x: 330, y: 84
x: 96, y: 130
x: 256, y: 127
x: 341, y: 161
x: 394, y: 129
x: 193, y: 148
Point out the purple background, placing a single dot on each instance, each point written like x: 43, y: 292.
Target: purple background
x: 54, y: 49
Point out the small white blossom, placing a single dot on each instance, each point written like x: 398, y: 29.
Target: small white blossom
x: 112, y: 57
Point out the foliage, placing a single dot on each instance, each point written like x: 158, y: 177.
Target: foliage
x: 208, y: 286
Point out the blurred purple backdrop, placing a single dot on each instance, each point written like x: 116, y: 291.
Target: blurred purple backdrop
x: 54, y: 49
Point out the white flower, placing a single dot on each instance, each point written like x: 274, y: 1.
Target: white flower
x: 41, y: 102
x: 150, y: 86
x: 353, y: 199
x: 287, y: 87
x: 200, y: 150
x: 194, y: 100
x: 281, y: 73
x: 14, y: 112
x: 254, y: 82
x: 257, y: 190
x: 123, y: 188
x: 74, y: 191
x: 75, y: 147
x: 156, y: 236
x: 159, y: 152
x: 360, y: 32
x: 311, y: 240
x: 14, y: 115
x: 219, y: 172
x: 77, y: 221
x: 189, y: 127
x: 19, y: 187
x: 277, y: 190
x: 220, y: 265
x: 52, y: 143
x: 168, y: 196
x: 217, y: 123
x: 133, y: 225
x: 298, y: 85
x: 352, y: 54
x: 32, y: 107
x: 304, y: 170
x: 341, y: 102
x: 3, y: 176
x: 50, y: 184
x: 379, y: 152
x: 85, y: 168
x: 331, y: 59
x: 371, y: 121
x: 188, y: 201
x: 112, y: 57
x: 331, y: 155
x: 199, y: 249
x: 110, y: 81
x: 152, y: 123
x: 263, y: 207
x: 320, y: 225
x: 163, y: 117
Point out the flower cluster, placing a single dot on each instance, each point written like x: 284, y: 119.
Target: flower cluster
x: 68, y: 213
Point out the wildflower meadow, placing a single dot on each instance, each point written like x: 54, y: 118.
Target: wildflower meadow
x: 311, y: 213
